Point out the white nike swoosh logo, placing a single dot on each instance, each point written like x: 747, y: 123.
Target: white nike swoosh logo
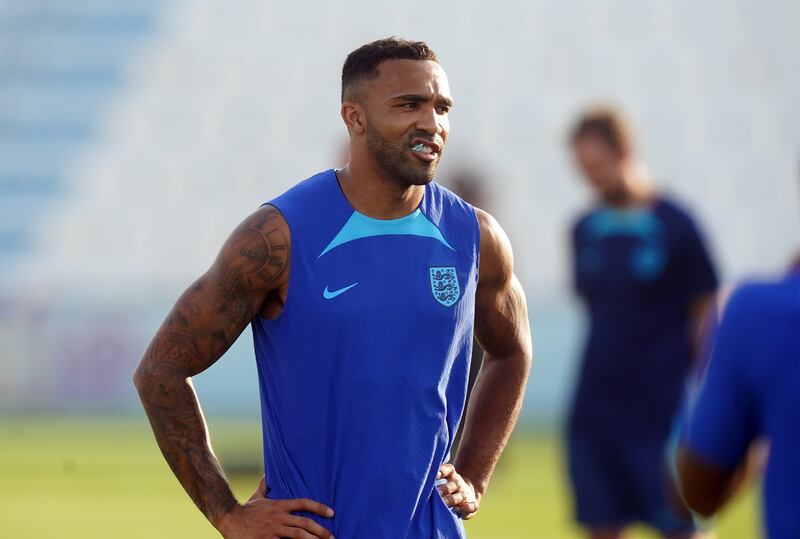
x: 330, y: 295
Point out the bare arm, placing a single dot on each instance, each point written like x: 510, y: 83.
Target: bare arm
x: 707, y: 487
x: 503, y: 330
x: 202, y: 325
x: 720, y: 449
x: 701, y: 315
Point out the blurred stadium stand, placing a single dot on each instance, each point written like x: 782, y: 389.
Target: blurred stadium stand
x: 60, y: 62
x: 135, y: 134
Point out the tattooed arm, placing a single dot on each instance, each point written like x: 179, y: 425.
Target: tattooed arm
x: 249, y: 276
x: 502, y: 329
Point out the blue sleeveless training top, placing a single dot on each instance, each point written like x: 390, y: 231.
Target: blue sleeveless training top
x: 363, y: 374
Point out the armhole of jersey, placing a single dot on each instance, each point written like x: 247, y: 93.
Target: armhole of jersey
x: 477, y: 246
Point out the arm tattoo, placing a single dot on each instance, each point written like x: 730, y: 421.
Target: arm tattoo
x: 177, y: 421
x: 202, y: 325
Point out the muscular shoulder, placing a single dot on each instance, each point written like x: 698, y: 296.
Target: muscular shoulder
x: 256, y: 254
x: 497, y: 257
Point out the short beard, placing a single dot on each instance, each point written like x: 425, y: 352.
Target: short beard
x: 396, y: 163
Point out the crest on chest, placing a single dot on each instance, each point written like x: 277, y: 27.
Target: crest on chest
x: 444, y: 285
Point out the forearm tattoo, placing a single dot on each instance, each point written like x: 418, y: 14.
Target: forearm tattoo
x: 202, y: 325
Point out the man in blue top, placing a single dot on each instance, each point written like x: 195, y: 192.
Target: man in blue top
x: 362, y: 286
x: 645, y: 277
x: 750, y: 391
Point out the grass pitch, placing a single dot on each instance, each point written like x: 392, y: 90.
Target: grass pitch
x: 105, y: 478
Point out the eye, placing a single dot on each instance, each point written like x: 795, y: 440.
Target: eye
x: 409, y: 105
x: 443, y: 109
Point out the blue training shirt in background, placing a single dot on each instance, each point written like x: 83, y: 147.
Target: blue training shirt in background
x: 363, y: 375
x: 752, y: 389
x: 637, y: 272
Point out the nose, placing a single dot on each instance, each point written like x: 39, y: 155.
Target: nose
x: 429, y: 121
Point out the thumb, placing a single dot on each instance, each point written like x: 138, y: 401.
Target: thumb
x: 445, y: 470
x: 261, y: 489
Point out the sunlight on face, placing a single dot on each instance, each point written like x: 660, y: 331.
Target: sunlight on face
x: 407, y: 109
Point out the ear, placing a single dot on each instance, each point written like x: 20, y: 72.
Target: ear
x: 354, y: 117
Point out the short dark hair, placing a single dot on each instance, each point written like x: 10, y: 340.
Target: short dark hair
x: 362, y: 64
x: 604, y: 122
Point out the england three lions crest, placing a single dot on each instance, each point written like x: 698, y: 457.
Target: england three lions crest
x: 444, y: 285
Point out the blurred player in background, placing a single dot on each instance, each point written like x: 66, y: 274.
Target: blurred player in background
x: 751, y: 391
x: 363, y: 289
x: 646, y: 279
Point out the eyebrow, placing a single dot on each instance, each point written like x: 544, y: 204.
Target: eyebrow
x: 418, y: 98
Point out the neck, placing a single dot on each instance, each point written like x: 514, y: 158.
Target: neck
x: 636, y: 188
x: 371, y: 192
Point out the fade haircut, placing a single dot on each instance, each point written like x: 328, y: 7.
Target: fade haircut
x: 606, y: 123
x: 362, y: 64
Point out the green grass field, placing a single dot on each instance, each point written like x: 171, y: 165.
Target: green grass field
x: 97, y: 479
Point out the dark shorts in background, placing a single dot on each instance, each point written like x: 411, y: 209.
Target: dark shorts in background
x: 620, y: 483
